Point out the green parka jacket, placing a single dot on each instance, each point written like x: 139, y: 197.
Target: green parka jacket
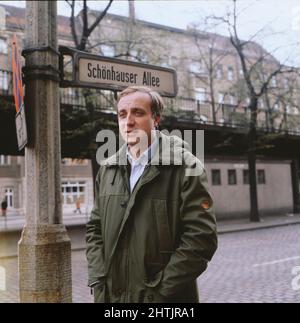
x: 151, y: 245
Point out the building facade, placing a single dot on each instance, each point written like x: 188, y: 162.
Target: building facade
x: 211, y: 87
x: 77, y: 184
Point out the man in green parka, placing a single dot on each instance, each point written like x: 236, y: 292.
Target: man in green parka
x: 152, y: 230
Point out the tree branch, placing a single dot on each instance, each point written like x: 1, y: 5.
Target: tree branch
x: 100, y: 17
x: 72, y: 22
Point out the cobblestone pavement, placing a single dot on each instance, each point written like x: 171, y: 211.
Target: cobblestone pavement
x: 250, y: 266
x: 254, y: 266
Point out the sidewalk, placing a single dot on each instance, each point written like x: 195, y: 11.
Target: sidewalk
x: 243, y: 224
x: 16, y: 222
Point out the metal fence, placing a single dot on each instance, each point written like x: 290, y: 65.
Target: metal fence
x: 185, y: 109
x: 232, y: 115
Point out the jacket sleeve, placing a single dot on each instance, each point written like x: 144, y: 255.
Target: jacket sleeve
x: 198, y: 239
x: 94, y: 242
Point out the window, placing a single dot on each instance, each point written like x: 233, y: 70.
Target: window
x: 231, y: 177
x: 196, y: 67
x: 219, y: 72
x: 286, y: 83
x: 3, y: 46
x: 276, y: 106
x: 230, y: 73
x: 72, y: 191
x: 108, y: 50
x: 4, y: 160
x: 134, y: 55
x: 291, y: 110
x: 9, y: 193
x: 287, y: 109
x: 143, y: 57
x: 261, y: 178
x: 245, y: 176
x: 232, y: 99
x: 221, y: 97
x: 216, y: 177
x: 200, y: 94
x: 173, y: 61
x: 274, y: 81
x: 4, y: 80
x: 71, y: 92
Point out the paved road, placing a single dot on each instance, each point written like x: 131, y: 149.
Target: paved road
x: 252, y: 266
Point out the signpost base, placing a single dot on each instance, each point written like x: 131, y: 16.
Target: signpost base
x: 45, y: 262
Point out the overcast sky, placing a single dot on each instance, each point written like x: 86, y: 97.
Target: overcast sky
x: 281, y: 18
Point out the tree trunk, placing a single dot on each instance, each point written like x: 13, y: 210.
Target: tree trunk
x: 254, y: 213
x: 295, y: 184
x: 212, y: 98
x: 95, y: 169
x: 89, y: 105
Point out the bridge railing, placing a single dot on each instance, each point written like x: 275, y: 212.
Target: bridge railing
x: 185, y: 109
x: 232, y: 115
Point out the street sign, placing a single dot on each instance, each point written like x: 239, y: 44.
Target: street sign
x: 94, y: 71
x: 21, y: 129
x: 18, y: 96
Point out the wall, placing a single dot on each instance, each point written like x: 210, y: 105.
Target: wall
x: 275, y: 196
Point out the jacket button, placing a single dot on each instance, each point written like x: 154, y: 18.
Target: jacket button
x: 123, y: 203
x: 150, y: 298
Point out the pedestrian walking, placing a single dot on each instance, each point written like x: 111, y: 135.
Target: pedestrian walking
x: 77, y: 204
x: 4, y: 207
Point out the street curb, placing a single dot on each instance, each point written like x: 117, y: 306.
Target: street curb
x: 220, y: 232
x: 266, y: 226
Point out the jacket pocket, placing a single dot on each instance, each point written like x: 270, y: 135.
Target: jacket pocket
x: 163, y: 230
x: 99, y: 293
x: 152, y: 294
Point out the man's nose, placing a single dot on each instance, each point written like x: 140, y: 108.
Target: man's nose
x: 130, y: 119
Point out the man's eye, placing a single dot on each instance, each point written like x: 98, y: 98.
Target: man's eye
x: 139, y: 113
x: 122, y: 115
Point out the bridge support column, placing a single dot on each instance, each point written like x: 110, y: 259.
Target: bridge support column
x: 44, y: 248
x: 295, y: 172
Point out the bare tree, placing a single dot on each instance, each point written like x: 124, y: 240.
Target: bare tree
x: 209, y: 59
x: 82, y: 25
x: 256, y: 88
x: 87, y: 29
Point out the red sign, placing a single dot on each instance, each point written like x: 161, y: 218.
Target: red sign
x: 19, y: 96
x: 17, y: 76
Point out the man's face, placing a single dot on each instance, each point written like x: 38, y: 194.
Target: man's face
x: 135, y: 117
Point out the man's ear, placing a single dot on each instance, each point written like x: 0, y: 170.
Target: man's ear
x: 157, y: 119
